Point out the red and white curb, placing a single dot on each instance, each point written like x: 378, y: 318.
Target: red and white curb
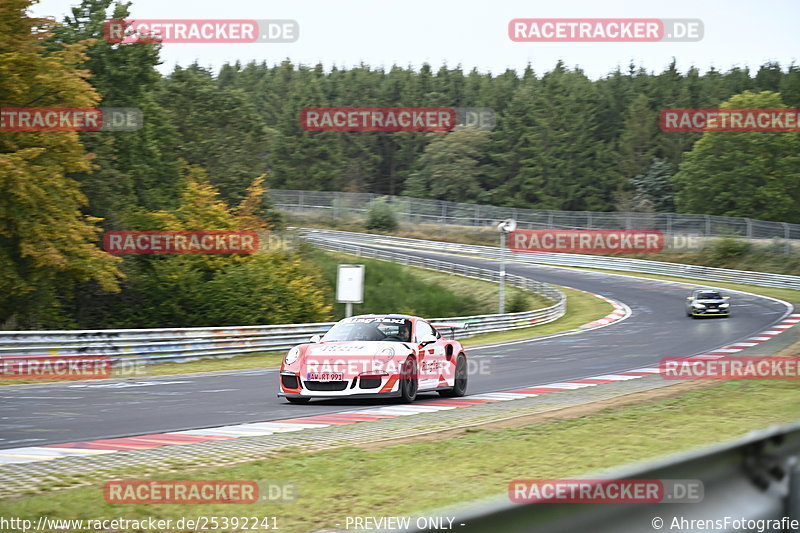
x: 176, y: 438
x: 620, y: 312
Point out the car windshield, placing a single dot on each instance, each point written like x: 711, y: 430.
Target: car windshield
x: 708, y: 296
x: 370, y: 329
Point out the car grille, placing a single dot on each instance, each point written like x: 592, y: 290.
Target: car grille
x: 326, y: 385
x: 289, y: 382
x: 370, y: 383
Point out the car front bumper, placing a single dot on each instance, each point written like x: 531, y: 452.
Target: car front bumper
x: 292, y: 386
x: 710, y: 312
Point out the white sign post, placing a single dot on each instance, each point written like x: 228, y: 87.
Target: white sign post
x: 505, y: 227
x: 350, y: 286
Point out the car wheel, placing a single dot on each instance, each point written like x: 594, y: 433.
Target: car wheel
x: 408, y: 381
x: 460, y: 386
x: 298, y: 400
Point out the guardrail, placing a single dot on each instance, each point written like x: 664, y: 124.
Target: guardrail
x: 337, y: 205
x: 183, y: 344
x: 576, y: 260
x: 754, y: 478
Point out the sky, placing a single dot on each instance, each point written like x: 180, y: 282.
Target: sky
x: 473, y: 33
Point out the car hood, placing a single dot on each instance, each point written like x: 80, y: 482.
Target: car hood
x: 710, y: 301
x: 355, y: 348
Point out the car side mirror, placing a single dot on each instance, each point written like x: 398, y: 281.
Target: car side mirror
x: 427, y: 339
x: 315, y: 338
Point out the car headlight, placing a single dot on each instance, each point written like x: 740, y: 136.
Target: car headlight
x: 388, y: 352
x: 702, y: 306
x: 292, y: 356
x: 724, y: 305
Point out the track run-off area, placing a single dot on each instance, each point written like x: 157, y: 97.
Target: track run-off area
x: 47, y: 421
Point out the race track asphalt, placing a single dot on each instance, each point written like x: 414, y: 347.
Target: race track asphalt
x: 35, y: 415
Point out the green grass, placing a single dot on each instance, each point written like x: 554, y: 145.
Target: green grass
x: 582, y: 308
x: 238, y: 362
x: 395, y: 288
x: 414, y: 477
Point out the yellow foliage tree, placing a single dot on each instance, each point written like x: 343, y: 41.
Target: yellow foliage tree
x: 46, y: 242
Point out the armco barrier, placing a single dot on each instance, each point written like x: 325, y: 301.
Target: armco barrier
x: 564, y: 259
x: 182, y: 344
x: 751, y: 479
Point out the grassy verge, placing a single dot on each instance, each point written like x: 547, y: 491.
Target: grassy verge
x: 395, y: 288
x: 582, y: 308
x: 396, y: 479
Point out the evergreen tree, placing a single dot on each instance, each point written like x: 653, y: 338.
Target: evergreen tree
x: 451, y: 167
x: 655, y: 186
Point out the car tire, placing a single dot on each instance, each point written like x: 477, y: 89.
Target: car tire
x: 460, y: 384
x: 409, y: 383
x: 298, y: 400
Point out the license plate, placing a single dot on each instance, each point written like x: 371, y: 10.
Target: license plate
x: 325, y: 376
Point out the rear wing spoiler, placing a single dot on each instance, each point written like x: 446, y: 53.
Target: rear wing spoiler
x: 451, y: 325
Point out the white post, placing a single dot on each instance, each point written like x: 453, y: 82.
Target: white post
x: 505, y: 227
x: 348, y: 309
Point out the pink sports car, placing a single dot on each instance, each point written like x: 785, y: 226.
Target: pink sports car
x: 374, y: 356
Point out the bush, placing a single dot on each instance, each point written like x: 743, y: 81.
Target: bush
x: 393, y: 288
x: 381, y: 216
x: 727, y: 249
x: 517, y: 303
x: 274, y: 288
